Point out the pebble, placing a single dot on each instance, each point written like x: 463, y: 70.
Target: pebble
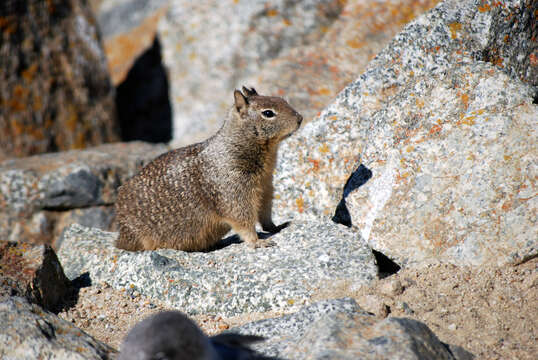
x: 392, y: 287
x: 374, y: 304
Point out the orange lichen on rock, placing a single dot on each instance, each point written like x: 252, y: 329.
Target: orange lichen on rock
x: 123, y: 49
x: 38, y: 103
x: 324, y: 91
x: 355, y: 44
x: 469, y: 120
x: 465, y: 100
x: 71, y: 123
x: 435, y: 129
x: 484, y: 7
x: 29, y: 73
x: 454, y: 28
x: 533, y: 59
x: 315, y: 164
x: 272, y: 12
x: 8, y: 24
x: 16, y: 127
x: 324, y: 149
x: 300, y: 204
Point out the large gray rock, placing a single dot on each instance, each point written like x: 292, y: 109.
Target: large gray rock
x: 55, y: 89
x: 209, y: 45
x: 309, y: 259
x: 310, y: 76
x: 340, y: 329
x: 35, y: 192
x: 29, y: 332
x: 447, y: 138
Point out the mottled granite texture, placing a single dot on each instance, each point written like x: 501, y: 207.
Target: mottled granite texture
x: 209, y: 45
x: 309, y: 259
x: 28, y: 332
x: 310, y: 76
x: 55, y: 91
x: 449, y: 138
x: 340, y: 329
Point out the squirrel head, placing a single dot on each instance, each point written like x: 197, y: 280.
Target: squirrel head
x: 268, y: 118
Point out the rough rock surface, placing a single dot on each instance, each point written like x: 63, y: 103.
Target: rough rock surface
x: 490, y: 311
x: 55, y: 91
x: 308, y: 258
x: 33, y: 271
x: 310, y: 76
x: 453, y: 179
x: 128, y: 28
x: 29, y: 332
x: 449, y: 140
x: 35, y: 192
x: 203, y: 72
x: 340, y: 329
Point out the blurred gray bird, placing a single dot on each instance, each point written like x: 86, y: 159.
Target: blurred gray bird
x: 170, y: 335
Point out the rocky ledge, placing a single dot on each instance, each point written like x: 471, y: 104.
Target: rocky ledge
x: 309, y: 259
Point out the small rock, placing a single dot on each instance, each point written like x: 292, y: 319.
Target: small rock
x: 29, y: 332
x: 391, y: 287
x: 35, y: 273
x: 292, y: 273
x: 402, y: 305
x: 340, y: 329
x: 374, y: 304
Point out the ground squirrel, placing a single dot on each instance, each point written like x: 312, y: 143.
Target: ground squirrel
x: 189, y: 198
x: 172, y: 335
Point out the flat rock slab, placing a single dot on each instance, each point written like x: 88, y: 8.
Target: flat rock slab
x: 340, y: 329
x: 308, y: 259
x: 36, y: 190
x: 29, y: 332
x: 71, y: 179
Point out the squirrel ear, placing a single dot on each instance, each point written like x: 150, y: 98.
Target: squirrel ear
x: 249, y: 92
x: 241, y: 101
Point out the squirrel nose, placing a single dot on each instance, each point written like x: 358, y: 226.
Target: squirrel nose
x: 299, y: 119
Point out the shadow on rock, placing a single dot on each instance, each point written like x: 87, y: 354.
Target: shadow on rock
x: 142, y: 102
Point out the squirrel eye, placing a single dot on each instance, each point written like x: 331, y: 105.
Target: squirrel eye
x: 268, y: 113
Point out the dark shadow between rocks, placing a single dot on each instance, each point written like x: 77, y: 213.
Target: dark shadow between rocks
x: 386, y: 267
x: 82, y: 281
x: 142, y: 99
x: 234, y: 239
x: 359, y: 177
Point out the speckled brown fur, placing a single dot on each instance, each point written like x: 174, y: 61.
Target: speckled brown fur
x: 189, y: 198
